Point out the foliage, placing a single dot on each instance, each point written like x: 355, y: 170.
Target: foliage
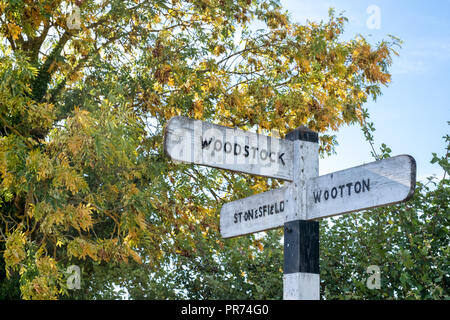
x: 241, y: 268
x: 83, y: 176
x: 9, y: 288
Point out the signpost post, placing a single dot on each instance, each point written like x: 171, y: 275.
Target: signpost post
x: 298, y: 205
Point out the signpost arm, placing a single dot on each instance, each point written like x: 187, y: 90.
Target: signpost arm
x: 306, y: 198
x: 301, y: 279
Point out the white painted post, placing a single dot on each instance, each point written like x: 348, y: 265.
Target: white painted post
x: 301, y: 279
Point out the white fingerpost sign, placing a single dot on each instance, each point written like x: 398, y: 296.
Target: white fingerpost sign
x: 203, y: 143
x: 300, y: 203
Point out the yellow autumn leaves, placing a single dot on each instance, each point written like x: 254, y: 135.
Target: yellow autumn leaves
x: 59, y: 170
x: 30, y: 10
x: 79, y: 217
x: 369, y: 61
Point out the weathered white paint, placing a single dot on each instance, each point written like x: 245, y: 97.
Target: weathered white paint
x: 391, y: 181
x: 306, y: 166
x: 235, y: 219
x: 301, y: 286
x: 203, y: 143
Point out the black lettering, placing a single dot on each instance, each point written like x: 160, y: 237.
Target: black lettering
x: 366, y: 185
x: 349, y: 186
x: 317, y: 196
x: 205, y: 143
x: 326, y: 194
x: 358, y: 187
x: 276, y: 208
x: 342, y: 190
x: 281, y: 206
x: 225, y: 147
x: 246, y: 154
x: 240, y: 216
x: 280, y: 157
x: 271, y: 209
x: 265, y: 209
x: 254, y: 151
x: 216, y: 147
x: 235, y: 218
x: 261, y: 211
x: 270, y: 156
x: 334, y: 193
x: 261, y: 154
x: 236, y: 153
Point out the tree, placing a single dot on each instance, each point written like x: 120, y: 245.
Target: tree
x: 82, y: 106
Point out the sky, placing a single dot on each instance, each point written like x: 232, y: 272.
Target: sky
x: 411, y: 116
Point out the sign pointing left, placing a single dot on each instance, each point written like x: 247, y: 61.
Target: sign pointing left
x: 203, y: 143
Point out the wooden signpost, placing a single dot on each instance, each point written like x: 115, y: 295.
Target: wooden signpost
x: 298, y: 205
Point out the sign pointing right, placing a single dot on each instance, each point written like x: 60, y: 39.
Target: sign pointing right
x: 379, y: 183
